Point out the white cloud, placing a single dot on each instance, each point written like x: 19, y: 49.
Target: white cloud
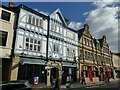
x: 75, y: 25
x: 103, y: 21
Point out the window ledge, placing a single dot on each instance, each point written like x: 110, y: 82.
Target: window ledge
x: 5, y: 21
x: 4, y: 47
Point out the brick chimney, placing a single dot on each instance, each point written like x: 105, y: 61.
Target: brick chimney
x: 11, y: 4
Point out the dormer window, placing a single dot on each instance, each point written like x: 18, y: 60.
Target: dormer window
x: 5, y: 16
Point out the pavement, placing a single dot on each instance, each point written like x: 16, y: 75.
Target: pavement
x: 75, y: 85
x: 79, y: 85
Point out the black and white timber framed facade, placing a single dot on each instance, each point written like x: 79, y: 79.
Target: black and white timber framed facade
x: 44, y: 46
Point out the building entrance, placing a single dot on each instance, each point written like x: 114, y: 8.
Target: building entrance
x: 54, y: 72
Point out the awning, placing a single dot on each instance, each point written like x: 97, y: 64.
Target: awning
x: 32, y: 61
x: 68, y: 64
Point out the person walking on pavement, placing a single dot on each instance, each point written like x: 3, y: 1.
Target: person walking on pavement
x: 83, y: 80
x: 68, y: 84
x: 57, y: 85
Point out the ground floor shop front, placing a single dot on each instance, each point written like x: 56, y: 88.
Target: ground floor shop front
x: 69, y: 69
x: 24, y: 68
x: 30, y: 69
x: 5, y: 68
x: 96, y: 73
x: 60, y: 71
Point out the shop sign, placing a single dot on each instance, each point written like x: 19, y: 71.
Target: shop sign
x: 36, y: 80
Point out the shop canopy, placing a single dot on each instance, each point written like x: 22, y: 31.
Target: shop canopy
x: 68, y: 64
x: 32, y: 61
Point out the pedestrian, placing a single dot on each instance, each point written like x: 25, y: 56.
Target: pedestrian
x: 57, y: 85
x: 83, y: 80
x: 51, y: 80
x: 68, y: 84
x: 54, y: 83
x: 108, y: 78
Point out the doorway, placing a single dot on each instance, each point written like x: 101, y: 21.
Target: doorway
x: 54, y: 72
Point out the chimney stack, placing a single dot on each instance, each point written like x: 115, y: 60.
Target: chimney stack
x: 11, y: 4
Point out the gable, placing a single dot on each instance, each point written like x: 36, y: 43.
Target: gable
x: 57, y: 16
x: 104, y: 41
x: 86, y: 31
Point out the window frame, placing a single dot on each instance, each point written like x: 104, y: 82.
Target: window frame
x: 37, y: 44
x: 3, y: 18
x: 5, y: 38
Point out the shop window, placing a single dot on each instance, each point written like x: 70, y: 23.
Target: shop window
x: 85, y: 73
x: 28, y: 72
x: 5, y: 15
x: 3, y: 38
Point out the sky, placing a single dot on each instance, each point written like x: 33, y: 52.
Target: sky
x: 102, y: 17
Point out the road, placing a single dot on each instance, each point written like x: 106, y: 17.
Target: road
x: 112, y: 84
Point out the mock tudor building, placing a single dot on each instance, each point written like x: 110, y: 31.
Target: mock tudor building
x: 7, y: 19
x: 29, y: 58
x: 94, y: 56
x: 62, y: 48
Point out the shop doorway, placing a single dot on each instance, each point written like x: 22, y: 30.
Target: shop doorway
x: 54, y: 72
x: 101, y: 77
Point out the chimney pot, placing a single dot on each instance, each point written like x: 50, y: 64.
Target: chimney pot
x: 11, y: 4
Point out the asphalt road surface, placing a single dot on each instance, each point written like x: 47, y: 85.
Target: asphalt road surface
x: 112, y: 84
x: 115, y: 85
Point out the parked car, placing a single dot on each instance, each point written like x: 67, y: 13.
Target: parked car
x: 15, y: 85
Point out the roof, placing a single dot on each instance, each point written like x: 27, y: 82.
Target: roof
x: 7, y: 8
x: 80, y: 32
x: 16, y: 9
x: 95, y: 42
x: 101, y: 42
x: 118, y: 54
x: 71, y: 29
x: 58, y: 11
x: 32, y: 10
